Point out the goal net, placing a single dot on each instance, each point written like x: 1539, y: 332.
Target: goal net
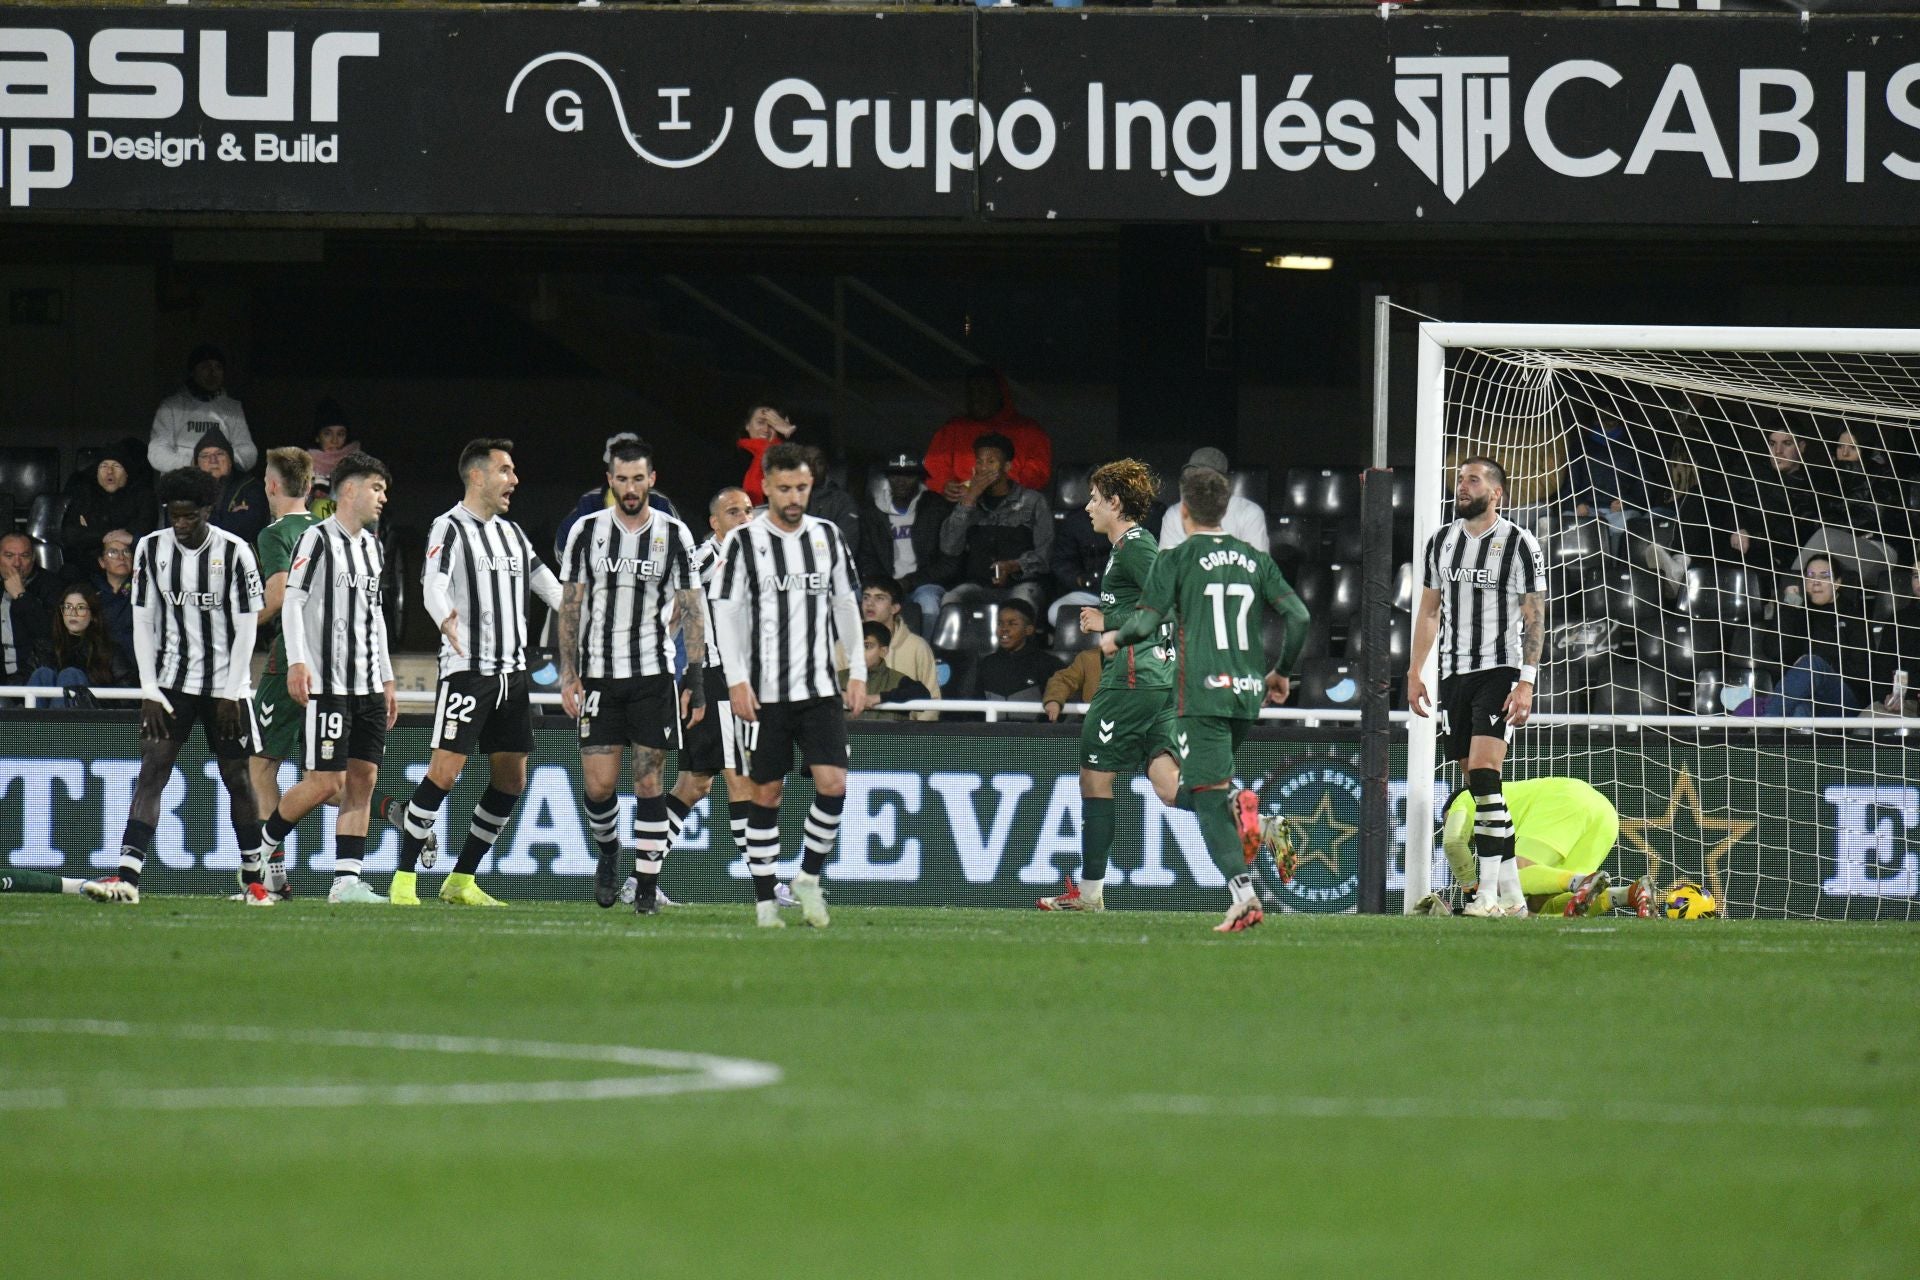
x: 1733, y: 634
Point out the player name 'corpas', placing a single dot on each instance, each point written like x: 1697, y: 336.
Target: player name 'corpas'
x: 1227, y: 555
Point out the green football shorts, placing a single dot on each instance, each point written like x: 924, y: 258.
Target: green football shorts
x: 1125, y: 728
x: 1204, y: 746
x: 281, y: 718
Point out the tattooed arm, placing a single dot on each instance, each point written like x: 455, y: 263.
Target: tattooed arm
x: 570, y: 600
x: 1533, y: 642
x: 690, y: 620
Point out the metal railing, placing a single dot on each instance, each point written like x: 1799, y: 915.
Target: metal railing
x: 994, y: 710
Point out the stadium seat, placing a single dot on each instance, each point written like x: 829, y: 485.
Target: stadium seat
x: 1068, y: 638
x: 50, y: 556
x: 1634, y: 596
x: 1070, y: 489
x: 1348, y: 541
x: 1718, y: 592
x: 1320, y: 491
x: 1403, y: 587
x: 1561, y: 688
x: 393, y: 587
x: 1250, y: 483
x: 1399, y: 641
x: 43, y: 519
x: 1319, y: 635
x: 966, y: 628
x: 1631, y: 689
x: 1293, y: 539
x: 28, y: 472
x: 1718, y: 691
x: 6, y: 513
x: 1343, y: 591
x: 1326, y: 684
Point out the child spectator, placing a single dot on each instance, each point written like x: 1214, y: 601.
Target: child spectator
x: 884, y: 684
x: 331, y: 439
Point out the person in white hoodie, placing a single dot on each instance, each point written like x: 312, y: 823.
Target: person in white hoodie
x: 197, y: 408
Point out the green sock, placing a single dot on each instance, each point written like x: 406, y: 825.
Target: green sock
x: 1222, y: 835
x: 1536, y: 879
x: 1096, y: 836
x: 28, y: 882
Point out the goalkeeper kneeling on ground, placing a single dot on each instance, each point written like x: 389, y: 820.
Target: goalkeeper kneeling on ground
x: 1563, y: 832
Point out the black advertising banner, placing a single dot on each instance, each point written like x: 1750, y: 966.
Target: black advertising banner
x: 1568, y: 118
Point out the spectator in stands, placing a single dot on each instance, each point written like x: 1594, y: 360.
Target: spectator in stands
x: 76, y: 654
x: 830, y: 500
x: 1826, y: 666
x: 1902, y: 652
x: 1079, y: 558
x: 32, y: 597
x: 331, y: 442
x: 112, y: 585
x: 907, y: 653
x: 1608, y: 475
x: 900, y: 538
x: 1074, y: 682
x: 241, y: 508
x: 594, y: 499
x: 1783, y: 512
x: 1866, y: 526
x: 107, y: 499
x: 1019, y: 667
x: 1000, y: 530
x: 1245, y: 519
x: 765, y: 426
x: 989, y: 411
x: 203, y: 405
x: 885, y: 683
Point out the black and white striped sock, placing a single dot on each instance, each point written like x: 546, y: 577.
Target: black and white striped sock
x: 489, y: 819
x: 677, y: 811
x: 603, y: 819
x: 823, y: 828
x: 348, y: 853
x: 650, y: 840
x: 423, y: 810
x: 763, y: 849
x: 134, y: 844
x: 739, y: 814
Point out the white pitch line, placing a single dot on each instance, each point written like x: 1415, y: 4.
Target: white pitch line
x: 686, y: 1072
x: 1332, y: 1107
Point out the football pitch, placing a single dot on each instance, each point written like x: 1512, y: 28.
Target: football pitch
x: 191, y: 1088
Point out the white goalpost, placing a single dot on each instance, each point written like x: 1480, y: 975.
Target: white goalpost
x: 1733, y: 596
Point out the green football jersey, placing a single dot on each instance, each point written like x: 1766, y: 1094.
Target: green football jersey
x: 1147, y: 664
x: 1215, y: 589
x: 274, y: 550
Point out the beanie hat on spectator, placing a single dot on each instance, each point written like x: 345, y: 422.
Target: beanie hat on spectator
x: 120, y: 536
x: 120, y: 452
x: 216, y: 438
x: 205, y: 351
x: 329, y: 413
x: 1209, y: 459
x: 904, y: 464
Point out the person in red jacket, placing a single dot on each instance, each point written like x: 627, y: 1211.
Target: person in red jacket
x: 989, y: 411
x: 764, y: 426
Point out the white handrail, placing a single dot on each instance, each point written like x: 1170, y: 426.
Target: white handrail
x: 994, y: 708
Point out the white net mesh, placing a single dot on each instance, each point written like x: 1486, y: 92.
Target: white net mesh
x: 1730, y: 543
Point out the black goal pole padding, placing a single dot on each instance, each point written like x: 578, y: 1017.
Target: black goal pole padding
x: 1376, y: 684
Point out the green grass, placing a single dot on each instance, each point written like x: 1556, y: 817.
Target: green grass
x: 969, y: 1093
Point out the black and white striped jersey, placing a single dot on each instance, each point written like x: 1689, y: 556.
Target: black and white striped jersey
x: 194, y: 597
x: 485, y: 569
x: 630, y: 580
x: 1480, y: 581
x: 334, y: 622
x: 708, y: 558
x: 788, y: 584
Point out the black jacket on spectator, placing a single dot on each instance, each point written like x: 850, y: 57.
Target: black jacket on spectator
x: 830, y: 502
x: 116, y: 611
x: 1006, y: 675
x: 1079, y: 554
x: 92, y: 513
x: 873, y: 556
x: 1784, y: 511
x: 1837, y: 637
x: 1901, y: 652
x: 61, y: 650
x: 32, y: 614
x: 1013, y: 526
